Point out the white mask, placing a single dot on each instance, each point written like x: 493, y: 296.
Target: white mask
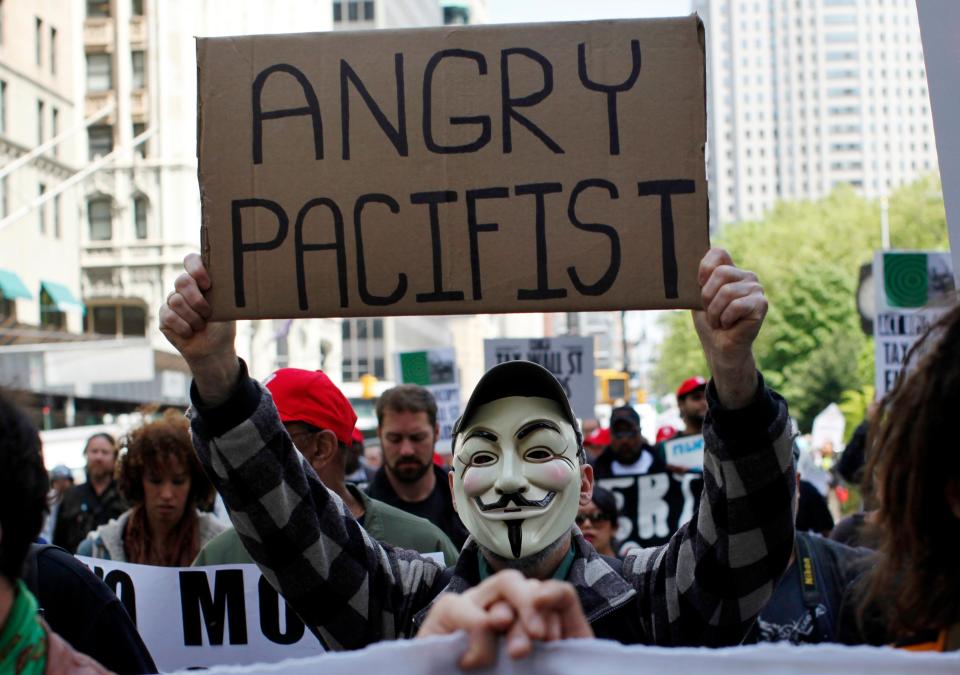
x: 517, y: 475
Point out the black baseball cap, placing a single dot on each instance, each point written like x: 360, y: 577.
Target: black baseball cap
x: 518, y: 378
x: 626, y: 414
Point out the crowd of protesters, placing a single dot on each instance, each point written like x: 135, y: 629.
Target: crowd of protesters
x: 883, y: 576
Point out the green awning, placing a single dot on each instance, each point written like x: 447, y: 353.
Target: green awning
x: 12, y: 287
x: 62, y: 296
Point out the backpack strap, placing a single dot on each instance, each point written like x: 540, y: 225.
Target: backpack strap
x: 31, y: 570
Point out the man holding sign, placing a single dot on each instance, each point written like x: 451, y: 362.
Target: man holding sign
x: 520, y: 475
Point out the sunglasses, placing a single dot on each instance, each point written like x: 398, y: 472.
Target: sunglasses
x: 596, y: 517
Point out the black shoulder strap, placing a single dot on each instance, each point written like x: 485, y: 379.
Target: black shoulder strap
x: 808, y: 577
x: 31, y: 569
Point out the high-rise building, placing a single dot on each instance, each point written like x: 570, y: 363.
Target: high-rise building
x: 804, y: 95
x: 143, y: 208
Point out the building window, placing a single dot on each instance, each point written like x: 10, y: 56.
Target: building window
x: 56, y: 216
x: 337, y: 12
x: 39, y: 122
x: 140, y: 206
x: 99, y: 73
x: 42, y: 211
x: 39, y: 40
x: 54, y: 126
x: 8, y: 309
x: 100, y: 215
x: 127, y: 320
x: 368, y: 10
x: 98, y: 8
x: 353, y: 10
x: 136, y: 7
x: 457, y: 16
x: 51, y: 317
x: 138, y: 79
x: 53, y: 50
x: 141, y: 148
x: 100, y: 140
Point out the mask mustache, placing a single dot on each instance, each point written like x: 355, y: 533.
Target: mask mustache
x: 516, y: 498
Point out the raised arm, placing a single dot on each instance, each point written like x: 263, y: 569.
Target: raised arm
x: 710, y: 581
x: 308, y: 545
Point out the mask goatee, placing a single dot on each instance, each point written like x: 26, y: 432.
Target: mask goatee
x: 515, y: 535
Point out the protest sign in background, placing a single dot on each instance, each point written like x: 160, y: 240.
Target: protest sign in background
x: 202, y: 616
x: 454, y: 170
x: 435, y: 369
x: 685, y: 451
x: 652, y: 507
x: 913, y: 289
x: 569, y: 358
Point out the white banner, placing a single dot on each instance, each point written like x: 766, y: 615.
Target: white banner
x: 685, y: 451
x: 577, y: 657
x: 913, y: 290
x: 569, y: 358
x: 940, y: 33
x: 203, y: 616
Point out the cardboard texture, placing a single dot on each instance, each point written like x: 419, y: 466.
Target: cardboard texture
x: 543, y: 167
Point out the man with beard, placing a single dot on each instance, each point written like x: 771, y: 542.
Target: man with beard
x: 320, y: 421
x: 519, y: 476
x: 409, y: 480
x: 89, y: 505
x: 628, y: 454
x: 692, y: 402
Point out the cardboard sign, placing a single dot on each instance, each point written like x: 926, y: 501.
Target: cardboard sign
x: 685, y: 451
x: 913, y: 290
x: 652, y: 507
x: 203, y: 616
x: 939, y: 28
x: 569, y: 358
x: 436, y: 369
x: 542, y: 167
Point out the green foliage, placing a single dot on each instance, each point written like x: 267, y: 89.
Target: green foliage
x: 681, y: 356
x: 807, y: 255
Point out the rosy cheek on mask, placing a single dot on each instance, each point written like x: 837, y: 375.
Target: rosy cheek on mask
x: 554, y: 475
x: 478, y: 480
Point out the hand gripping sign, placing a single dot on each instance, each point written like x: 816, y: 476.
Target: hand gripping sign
x: 454, y: 170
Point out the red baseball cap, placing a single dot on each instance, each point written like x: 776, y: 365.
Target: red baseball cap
x: 690, y: 384
x: 357, y: 436
x: 309, y: 396
x: 598, y: 437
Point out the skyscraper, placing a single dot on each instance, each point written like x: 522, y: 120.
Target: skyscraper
x: 804, y: 95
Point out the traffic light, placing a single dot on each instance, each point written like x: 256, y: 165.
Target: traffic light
x: 368, y: 383
x: 614, y: 385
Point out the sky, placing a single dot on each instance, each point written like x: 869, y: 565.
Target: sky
x: 518, y: 11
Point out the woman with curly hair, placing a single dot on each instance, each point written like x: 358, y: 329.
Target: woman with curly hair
x: 913, y: 592
x: 160, y: 475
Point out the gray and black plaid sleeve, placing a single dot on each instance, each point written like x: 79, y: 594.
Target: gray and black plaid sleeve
x: 304, y: 539
x: 706, y: 586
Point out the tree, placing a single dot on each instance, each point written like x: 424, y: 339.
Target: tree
x: 807, y: 255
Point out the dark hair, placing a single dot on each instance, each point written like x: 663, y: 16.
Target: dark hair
x: 102, y: 434
x: 911, y: 468
x: 23, y: 488
x: 407, y: 398
x: 607, y: 503
x: 149, y: 446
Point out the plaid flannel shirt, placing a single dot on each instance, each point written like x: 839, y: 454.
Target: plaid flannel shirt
x: 704, y: 587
